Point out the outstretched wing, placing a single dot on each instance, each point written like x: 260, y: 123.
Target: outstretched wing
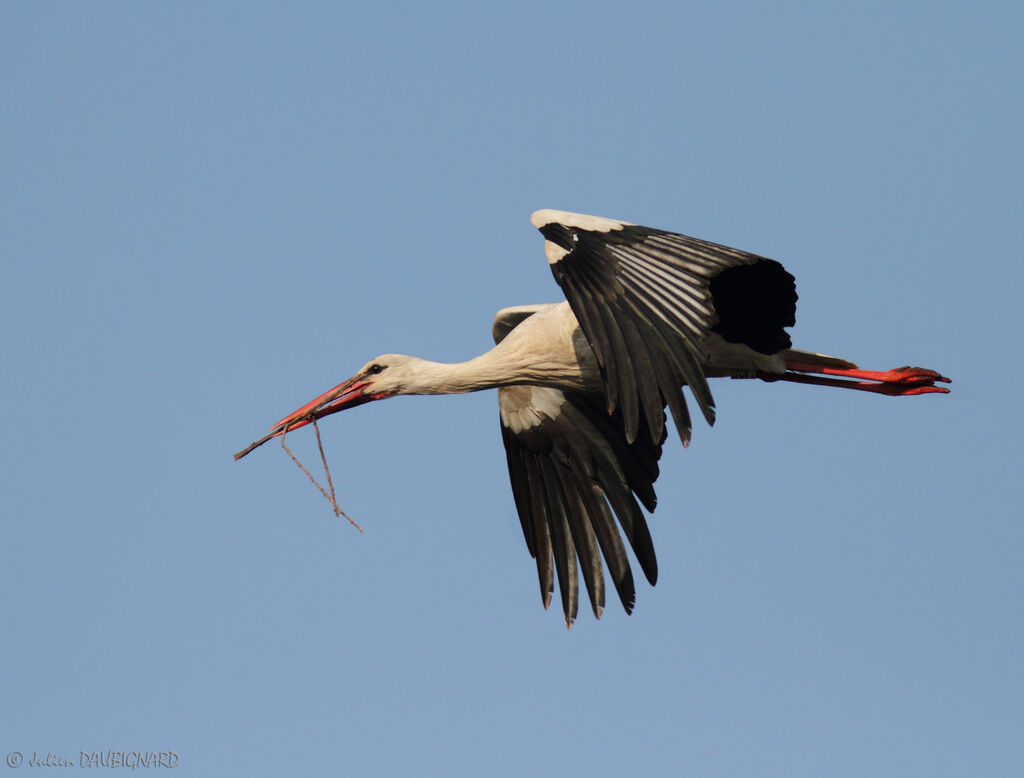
x: 647, y: 301
x: 571, y: 468
x: 572, y: 474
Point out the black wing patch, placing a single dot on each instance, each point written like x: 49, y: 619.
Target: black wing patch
x: 573, y: 473
x: 645, y: 299
x: 754, y: 303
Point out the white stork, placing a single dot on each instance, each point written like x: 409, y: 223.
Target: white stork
x: 583, y: 385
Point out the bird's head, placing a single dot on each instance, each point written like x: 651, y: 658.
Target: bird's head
x: 381, y: 377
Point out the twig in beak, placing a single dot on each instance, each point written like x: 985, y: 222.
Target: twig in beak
x: 327, y: 470
x: 254, y: 445
x: 329, y: 497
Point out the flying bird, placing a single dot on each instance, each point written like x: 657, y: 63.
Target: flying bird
x: 583, y: 385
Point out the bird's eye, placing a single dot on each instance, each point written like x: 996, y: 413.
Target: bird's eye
x: 375, y: 368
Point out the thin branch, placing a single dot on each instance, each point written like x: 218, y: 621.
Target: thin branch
x: 328, y: 497
x: 330, y: 484
x: 255, y: 445
x: 327, y: 470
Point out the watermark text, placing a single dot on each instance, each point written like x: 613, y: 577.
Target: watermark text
x: 130, y: 759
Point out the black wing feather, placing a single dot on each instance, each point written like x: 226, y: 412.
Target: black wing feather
x: 573, y: 472
x: 561, y: 540
x: 582, y: 536
x: 646, y: 302
x: 542, y: 530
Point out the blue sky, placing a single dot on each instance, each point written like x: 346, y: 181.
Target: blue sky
x: 211, y: 213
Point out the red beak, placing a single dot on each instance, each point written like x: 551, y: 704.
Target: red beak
x: 347, y: 394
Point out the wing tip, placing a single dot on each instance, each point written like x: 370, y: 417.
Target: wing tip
x: 580, y: 221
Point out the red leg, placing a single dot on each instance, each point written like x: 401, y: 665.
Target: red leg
x: 903, y: 381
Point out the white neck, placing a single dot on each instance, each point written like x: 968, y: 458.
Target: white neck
x: 504, y: 365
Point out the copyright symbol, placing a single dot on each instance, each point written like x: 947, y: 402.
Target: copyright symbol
x: 14, y: 759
